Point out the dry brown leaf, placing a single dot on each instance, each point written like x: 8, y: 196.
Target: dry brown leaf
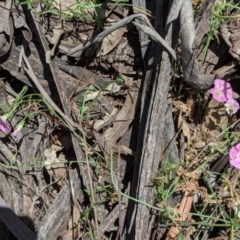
x: 196, y: 2
x: 55, y: 163
x: 199, y: 144
x: 184, y: 208
x: 122, y: 122
x: 67, y: 235
x: 185, y: 128
x: 111, y: 41
x: 108, y: 119
x: 190, y: 106
x: 180, y: 106
x: 54, y: 40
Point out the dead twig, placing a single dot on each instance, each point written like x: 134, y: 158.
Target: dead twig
x: 31, y: 74
x: 149, y: 30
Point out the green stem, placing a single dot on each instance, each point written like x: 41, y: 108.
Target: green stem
x: 216, y: 7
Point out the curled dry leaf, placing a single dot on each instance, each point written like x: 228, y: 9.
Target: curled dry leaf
x: 121, y: 124
x: 230, y: 35
x: 52, y: 160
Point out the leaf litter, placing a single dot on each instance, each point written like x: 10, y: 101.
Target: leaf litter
x: 84, y: 115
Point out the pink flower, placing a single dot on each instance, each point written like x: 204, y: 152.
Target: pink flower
x: 18, y: 128
x: 232, y: 106
x: 222, y: 90
x: 234, y: 156
x: 15, y: 133
x: 4, y: 127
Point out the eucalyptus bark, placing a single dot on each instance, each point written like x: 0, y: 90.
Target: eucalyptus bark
x: 154, y: 104
x: 173, y: 19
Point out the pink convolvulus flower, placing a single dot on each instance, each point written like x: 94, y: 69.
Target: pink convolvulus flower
x: 18, y: 128
x: 232, y: 106
x: 15, y: 133
x: 222, y: 90
x: 234, y: 156
x: 4, y: 127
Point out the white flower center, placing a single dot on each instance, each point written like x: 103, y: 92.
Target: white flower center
x: 219, y: 92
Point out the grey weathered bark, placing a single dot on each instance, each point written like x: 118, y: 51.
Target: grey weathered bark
x: 142, y: 37
x: 55, y: 221
x: 169, y: 16
x: 153, y: 111
x: 191, y: 68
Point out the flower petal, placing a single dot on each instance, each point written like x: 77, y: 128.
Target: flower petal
x: 219, y: 83
x: 235, y: 163
x: 227, y: 90
x: 4, y: 127
x: 222, y: 90
x: 233, y: 153
x: 15, y: 133
x: 232, y: 106
x: 234, y: 156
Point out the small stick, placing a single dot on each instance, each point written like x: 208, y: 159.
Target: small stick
x: 32, y: 75
x: 149, y: 30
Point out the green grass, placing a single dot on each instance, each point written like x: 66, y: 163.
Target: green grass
x: 220, y: 14
x: 84, y: 10
x: 215, y: 23
x: 92, y: 93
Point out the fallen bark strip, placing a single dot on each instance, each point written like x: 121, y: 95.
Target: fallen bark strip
x: 56, y: 220
x: 154, y: 106
x: 36, y: 28
x: 121, y: 123
x: 13, y: 223
x: 31, y: 74
x: 139, y: 5
x: 151, y: 139
x: 72, y: 125
x: 85, y: 169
